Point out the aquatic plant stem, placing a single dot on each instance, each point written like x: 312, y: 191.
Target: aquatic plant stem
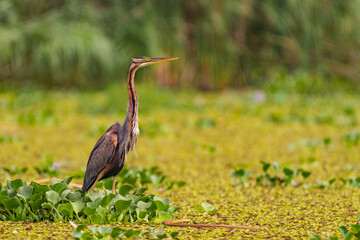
x: 179, y: 223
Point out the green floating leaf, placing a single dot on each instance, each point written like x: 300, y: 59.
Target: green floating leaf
x: 67, y: 180
x: 74, y: 196
x: 102, y: 212
x: 3, y: 199
x: 332, y: 237
x: 181, y: 183
x: 39, y: 188
x: 26, y: 191
x: 314, y: 237
x: 157, y: 179
x: 348, y: 236
x: 132, y: 233
x: 162, y: 204
x: 59, y: 187
x: 142, y: 214
x: 104, y: 231
x: 143, y: 205
x: 265, y: 166
x: 80, y: 227
x: 99, y: 185
x: 94, y: 204
x: 163, y: 216
x: 66, y: 209
x: 108, y: 183
x: 11, y: 193
x: 199, y: 208
x: 238, y: 173
x: 37, y: 196
x: 343, y: 230
x: 208, y: 208
x: 47, y: 206
x: 125, y: 189
x: 94, y: 195
x: 77, y: 234
x: 174, y: 234
x: 140, y: 191
x: 55, y: 180
x: 93, y: 229
x: 14, y: 169
x: 331, y: 181
x: 96, y: 218
x: 115, y: 233
x: 173, y: 209
x: 17, y: 183
x: 277, y: 166
x: 355, y: 228
x: 123, y: 204
x: 288, y: 172
x: 52, y: 196
x: 305, y: 174
x: 89, y: 211
x: 65, y: 193
x: 12, y: 203
x: 106, y: 200
x: 78, y: 206
x: 36, y: 201
x: 86, y: 235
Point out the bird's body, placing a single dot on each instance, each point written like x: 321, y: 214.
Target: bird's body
x: 105, y: 159
x: 109, y: 153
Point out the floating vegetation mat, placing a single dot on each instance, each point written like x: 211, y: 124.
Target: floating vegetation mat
x: 224, y: 158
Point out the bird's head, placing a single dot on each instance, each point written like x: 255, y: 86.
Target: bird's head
x: 145, y: 61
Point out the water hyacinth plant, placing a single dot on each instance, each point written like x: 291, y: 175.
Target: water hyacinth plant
x: 118, y: 233
x: 20, y: 201
x: 346, y: 233
x: 139, y: 177
x: 280, y: 176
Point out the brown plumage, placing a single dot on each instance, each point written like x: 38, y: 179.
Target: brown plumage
x: 104, y: 159
x: 109, y: 153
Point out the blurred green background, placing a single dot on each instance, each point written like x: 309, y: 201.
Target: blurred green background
x: 307, y: 45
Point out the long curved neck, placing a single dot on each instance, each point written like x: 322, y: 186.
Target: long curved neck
x: 131, y: 120
x: 133, y: 99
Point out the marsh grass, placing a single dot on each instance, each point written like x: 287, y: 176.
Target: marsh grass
x: 220, y: 44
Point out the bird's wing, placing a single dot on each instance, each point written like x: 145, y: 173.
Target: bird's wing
x: 102, y: 154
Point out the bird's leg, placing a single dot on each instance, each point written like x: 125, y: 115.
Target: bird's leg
x: 97, y: 180
x: 93, y: 186
x: 113, y: 189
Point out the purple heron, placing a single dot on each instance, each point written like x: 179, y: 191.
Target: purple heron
x: 109, y: 153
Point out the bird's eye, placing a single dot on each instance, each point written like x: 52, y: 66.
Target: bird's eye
x: 146, y: 59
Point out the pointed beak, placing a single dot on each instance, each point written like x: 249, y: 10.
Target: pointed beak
x: 163, y: 59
